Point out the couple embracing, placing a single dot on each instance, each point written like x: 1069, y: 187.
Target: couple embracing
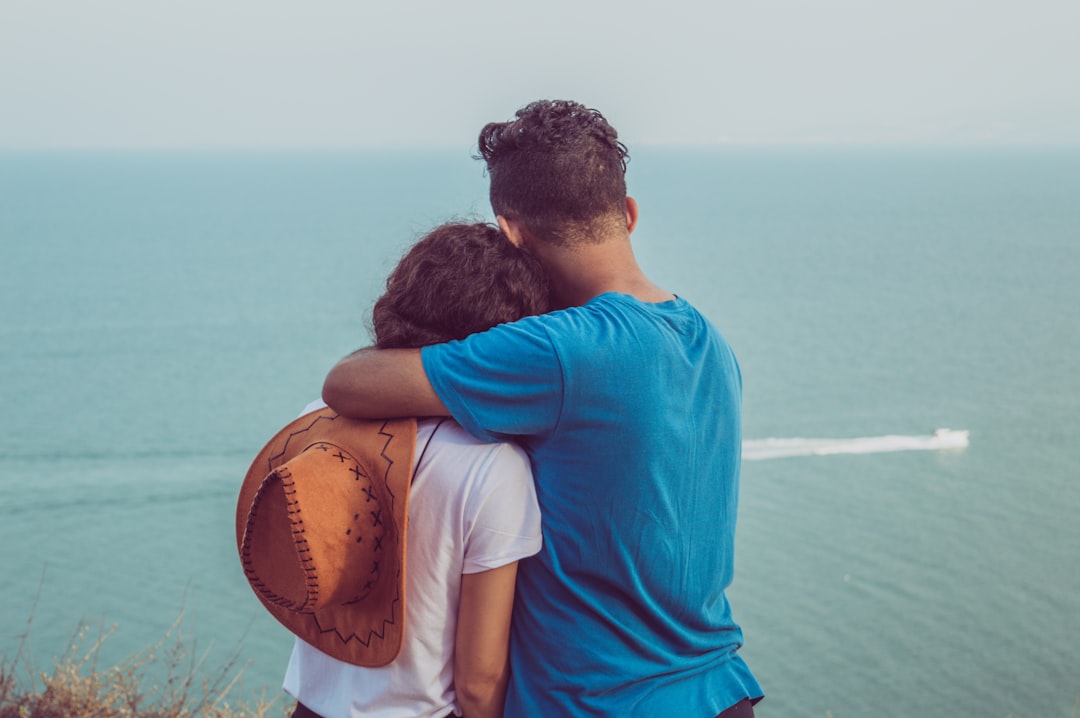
x: 556, y: 385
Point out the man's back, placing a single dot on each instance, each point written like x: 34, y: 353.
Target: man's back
x: 630, y: 414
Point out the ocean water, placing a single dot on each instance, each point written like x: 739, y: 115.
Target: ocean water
x: 162, y: 314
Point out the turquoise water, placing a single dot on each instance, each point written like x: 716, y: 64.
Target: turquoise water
x: 163, y: 314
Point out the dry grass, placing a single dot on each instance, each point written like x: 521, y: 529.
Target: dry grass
x: 164, y: 681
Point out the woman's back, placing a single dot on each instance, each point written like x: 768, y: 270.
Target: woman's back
x: 472, y: 507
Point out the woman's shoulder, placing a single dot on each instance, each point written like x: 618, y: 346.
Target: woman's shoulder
x: 445, y: 441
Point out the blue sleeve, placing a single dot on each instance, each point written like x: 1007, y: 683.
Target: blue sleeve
x: 502, y: 384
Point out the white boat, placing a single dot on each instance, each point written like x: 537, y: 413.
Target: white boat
x: 775, y: 448
x: 950, y: 439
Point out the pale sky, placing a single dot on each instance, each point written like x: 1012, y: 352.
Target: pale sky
x: 330, y: 73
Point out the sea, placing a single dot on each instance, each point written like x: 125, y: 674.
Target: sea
x: 163, y: 313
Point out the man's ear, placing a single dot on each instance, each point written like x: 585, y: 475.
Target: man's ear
x: 513, y: 231
x: 631, y: 214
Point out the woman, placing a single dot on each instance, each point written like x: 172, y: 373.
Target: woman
x: 472, y: 507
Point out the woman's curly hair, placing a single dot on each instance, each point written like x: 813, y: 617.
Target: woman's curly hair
x: 457, y: 280
x: 559, y: 168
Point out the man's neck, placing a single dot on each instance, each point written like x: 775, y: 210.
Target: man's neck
x: 582, y: 272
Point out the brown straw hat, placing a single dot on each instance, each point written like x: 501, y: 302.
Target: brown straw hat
x: 321, y: 525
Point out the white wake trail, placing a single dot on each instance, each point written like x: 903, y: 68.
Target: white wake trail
x: 755, y: 449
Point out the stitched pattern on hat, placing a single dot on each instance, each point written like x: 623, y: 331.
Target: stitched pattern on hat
x: 271, y: 461
x: 311, y: 580
x: 378, y: 632
x: 307, y: 565
x: 348, y: 531
x: 372, y: 634
x: 389, y: 464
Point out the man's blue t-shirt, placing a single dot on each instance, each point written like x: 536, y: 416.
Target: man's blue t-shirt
x: 631, y: 415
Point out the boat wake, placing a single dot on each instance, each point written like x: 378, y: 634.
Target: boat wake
x: 755, y: 449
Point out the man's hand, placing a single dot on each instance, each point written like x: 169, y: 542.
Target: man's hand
x: 381, y: 384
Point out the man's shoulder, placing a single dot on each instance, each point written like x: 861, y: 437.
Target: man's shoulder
x: 605, y: 309
x: 605, y: 312
x: 618, y: 317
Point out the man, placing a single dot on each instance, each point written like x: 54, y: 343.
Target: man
x: 628, y: 404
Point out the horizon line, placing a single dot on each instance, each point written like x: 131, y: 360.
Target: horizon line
x: 631, y: 143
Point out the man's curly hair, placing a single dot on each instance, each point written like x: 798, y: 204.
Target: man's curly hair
x: 559, y: 168
x: 457, y: 280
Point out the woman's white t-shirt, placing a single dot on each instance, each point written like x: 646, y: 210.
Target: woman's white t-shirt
x: 472, y: 507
